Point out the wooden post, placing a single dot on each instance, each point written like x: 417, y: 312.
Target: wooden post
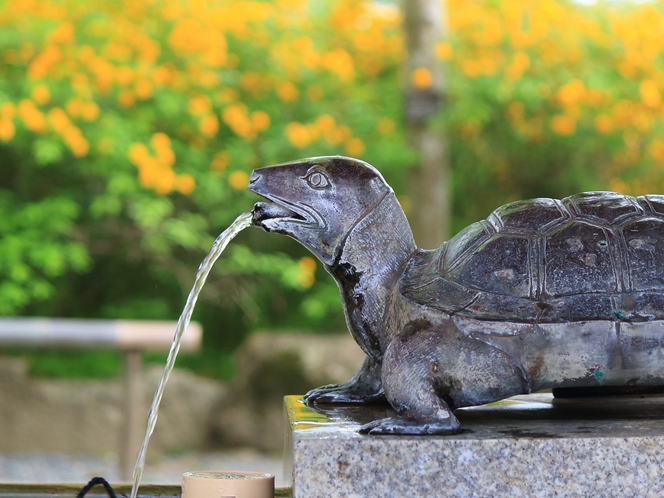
x: 425, y: 84
x: 133, y: 423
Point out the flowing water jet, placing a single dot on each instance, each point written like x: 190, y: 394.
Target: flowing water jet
x: 241, y: 222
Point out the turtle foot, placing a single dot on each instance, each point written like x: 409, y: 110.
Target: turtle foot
x: 399, y: 425
x: 343, y: 393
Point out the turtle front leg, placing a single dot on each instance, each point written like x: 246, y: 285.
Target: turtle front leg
x: 428, y: 372
x: 410, y: 376
x: 365, y: 387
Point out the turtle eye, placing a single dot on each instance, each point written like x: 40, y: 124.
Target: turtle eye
x: 317, y: 180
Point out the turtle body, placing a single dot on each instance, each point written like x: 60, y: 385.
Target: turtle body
x: 564, y: 294
x: 591, y: 256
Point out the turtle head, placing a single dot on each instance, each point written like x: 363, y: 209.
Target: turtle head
x: 317, y: 201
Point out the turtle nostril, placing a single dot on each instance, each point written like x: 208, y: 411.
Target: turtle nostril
x: 254, y: 177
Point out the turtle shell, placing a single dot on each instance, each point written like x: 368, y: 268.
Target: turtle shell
x: 590, y: 256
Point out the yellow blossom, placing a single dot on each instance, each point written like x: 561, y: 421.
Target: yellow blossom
x: 656, y: 150
x: 160, y: 141
x: 199, y: 105
x: 143, y: 88
x: 603, y: 124
x: 138, y: 152
x: 571, y: 93
x: 443, y: 51
x: 90, y: 112
x: 41, y: 94
x: 286, y: 91
x: 209, y: 125
x: 563, y: 125
x: 260, y: 120
x: 298, y: 135
x: 126, y: 98
x: 238, y: 180
x: 32, y: 118
x: 166, y: 157
x: 421, y: 78
x: 7, y: 129
x: 185, y: 184
x: 354, y: 147
x: 7, y: 110
x: 325, y: 123
x: 650, y: 95
x: 520, y: 62
x: 219, y: 162
x: 164, y: 181
x: 307, y: 267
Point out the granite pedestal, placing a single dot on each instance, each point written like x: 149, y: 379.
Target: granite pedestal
x: 525, y: 446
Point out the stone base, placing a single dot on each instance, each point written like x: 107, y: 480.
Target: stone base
x: 525, y: 446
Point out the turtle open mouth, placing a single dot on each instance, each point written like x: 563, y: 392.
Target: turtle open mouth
x: 271, y: 215
x: 271, y: 210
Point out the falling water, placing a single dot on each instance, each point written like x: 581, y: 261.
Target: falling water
x: 242, y: 222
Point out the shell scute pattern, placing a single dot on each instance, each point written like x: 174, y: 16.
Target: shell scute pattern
x: 596, y: 255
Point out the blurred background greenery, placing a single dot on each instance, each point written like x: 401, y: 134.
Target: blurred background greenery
x: 128, y: 129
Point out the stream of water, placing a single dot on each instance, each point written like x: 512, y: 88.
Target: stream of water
x: 241, y: 222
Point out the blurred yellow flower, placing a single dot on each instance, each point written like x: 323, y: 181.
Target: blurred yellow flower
x: 143, y: 88
x: 74, y: 107
x: 124, y: 75
x: 298, y: 135
x: 164, y: 181
x: 126, y: 98
x: 238, y: 180
x: 58, y: 119
x: 209, y: 125
x: 7, y: 110
x: 90, y: 112
x: 307, y: 267
x: 650, y: 95
x: 199, y: 105
x: 219, y: 162
x: 515, y: 69
x: 260, y: 120
x: 421, y: 78
x: 185, y: 184
x: 386, y: 126
x: 7, y: 129
x: 354, y: 147
x: 166, y: 157
x: 138, y: 152
x: 443, y: 51
x: 340, y: 63
x: 286, y: 91
x: 571, y: 93
x: 32, y: 118
x: 62, y: 34
x: 160, y: 141
x: 41, y: 94
x: 604, y: 124
x: 563, y: 125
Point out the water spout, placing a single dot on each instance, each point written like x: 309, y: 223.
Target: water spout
x: 241, y: 222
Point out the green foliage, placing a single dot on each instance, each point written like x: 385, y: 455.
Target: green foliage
x: 101, y: 364
x: 128, y: 130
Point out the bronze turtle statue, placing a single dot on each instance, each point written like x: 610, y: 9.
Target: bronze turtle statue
x: 544, y: 293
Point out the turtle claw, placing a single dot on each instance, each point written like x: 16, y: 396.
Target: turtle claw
x: 406, y: 426
x: 342, y: 393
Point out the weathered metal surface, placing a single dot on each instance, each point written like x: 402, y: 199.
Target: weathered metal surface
x: 565, y: 294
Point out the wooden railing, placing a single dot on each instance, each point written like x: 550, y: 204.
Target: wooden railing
x: 131, y: 337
